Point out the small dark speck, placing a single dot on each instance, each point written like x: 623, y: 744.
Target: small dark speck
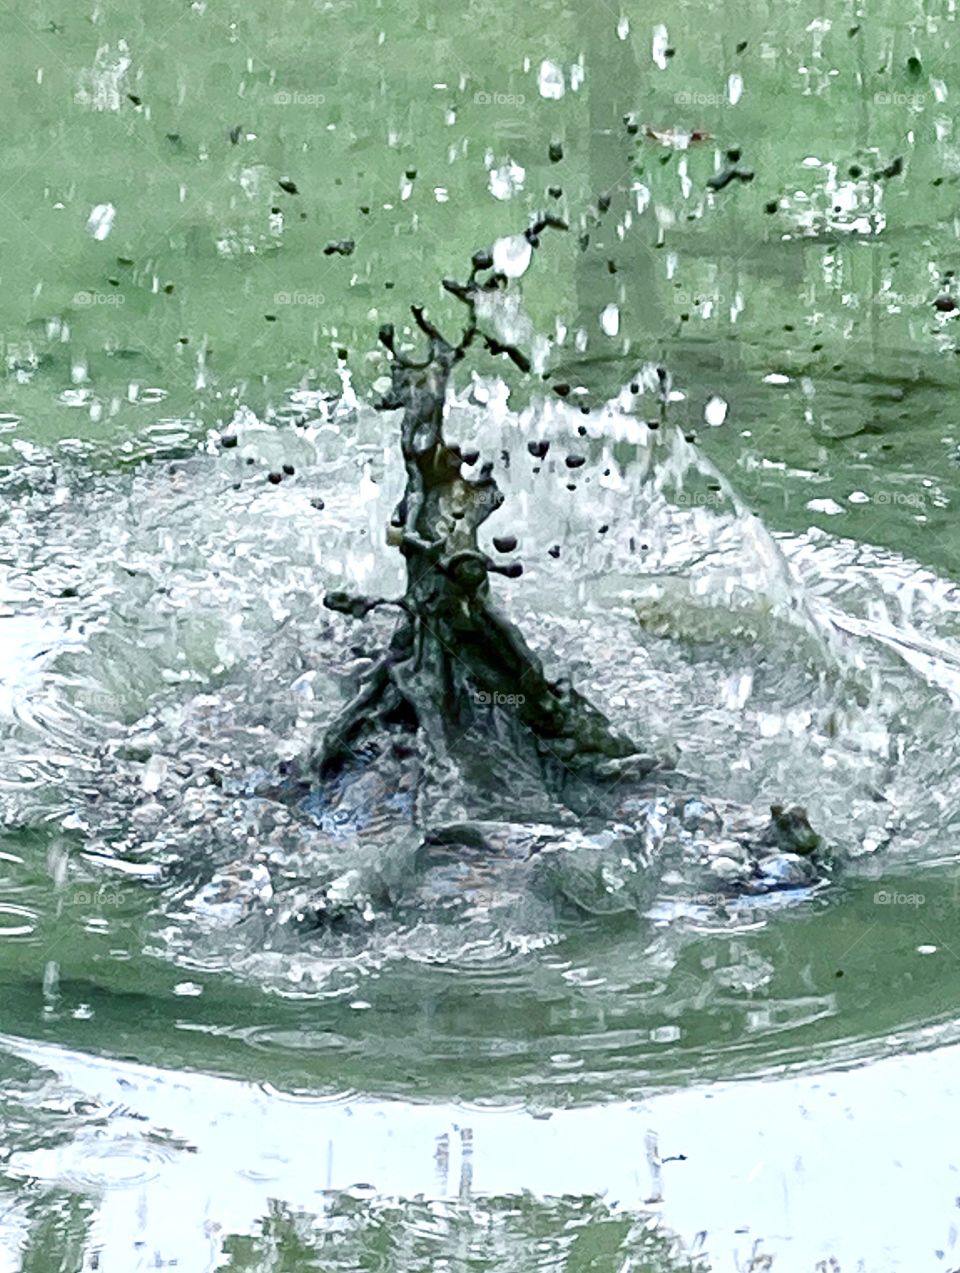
x: 720, y: 180
x: 603, y: 530
x: 734, y: 154
x: 945, y: 304
x: 582, y: 430
x: 741, y: 46
x: 342, y: 247
x: 289, y: 470
x: 584, y: 409
x: 653, y: 424
x: 538, y: 449
x: 634, y: 387
x: 571, y: 486
x: 838, y: 973
x: 168, y: 288
x: 228, y: 440
x: 250, y: 460
x: 365, y: 209
x: 137, y: 101
x: 183, y: 340
x: 124, y: 260
x: 271, y: 318
x: 771, y: 207
x: 555, y: 191
x: 411, y: 174
x: 603, y: 202
x: 611, y: 267
x: 174, y: 137
x: 562, y: 389
x: 555, y: 152
x: 234, y: 134
x: 853, y: 30
x: 114, y: 282
x: 275, y: 478
x: 286, y: 184
x: 343, y: 353
x: 505, y: 543
x: 554, y: 551
x: 668, y: 53
x: 893, y: 169
x: 575, y: 461
x: 317, y: 503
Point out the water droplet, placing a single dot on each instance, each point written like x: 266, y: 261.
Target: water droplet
x: 100, y: 221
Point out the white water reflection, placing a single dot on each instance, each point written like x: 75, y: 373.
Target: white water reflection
x: 178, y: 1163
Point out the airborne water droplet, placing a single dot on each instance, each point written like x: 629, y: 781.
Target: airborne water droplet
x: 715, y: 412
x: 610, y: 319
x: 661, y: 42
x: 551, y: 80
x: 511, y: 255
x: 100, y: 221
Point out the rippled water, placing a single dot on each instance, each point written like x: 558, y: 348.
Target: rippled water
x: 586, y: 1049
x: 171, y: 652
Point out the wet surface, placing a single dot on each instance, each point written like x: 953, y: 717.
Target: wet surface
x: 181, y: 659
x: 205, y: 222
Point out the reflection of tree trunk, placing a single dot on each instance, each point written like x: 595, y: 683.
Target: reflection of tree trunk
x: 613, y: 86
x: 454, y: 657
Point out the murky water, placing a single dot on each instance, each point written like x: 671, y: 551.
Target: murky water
x: 171, y: 652
x: 590, y: 1050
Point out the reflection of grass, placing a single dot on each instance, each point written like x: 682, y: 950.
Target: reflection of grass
x: 512, y: 1234
x: 57, y: 1227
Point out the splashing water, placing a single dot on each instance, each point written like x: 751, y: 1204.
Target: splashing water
x: 169, y: 655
